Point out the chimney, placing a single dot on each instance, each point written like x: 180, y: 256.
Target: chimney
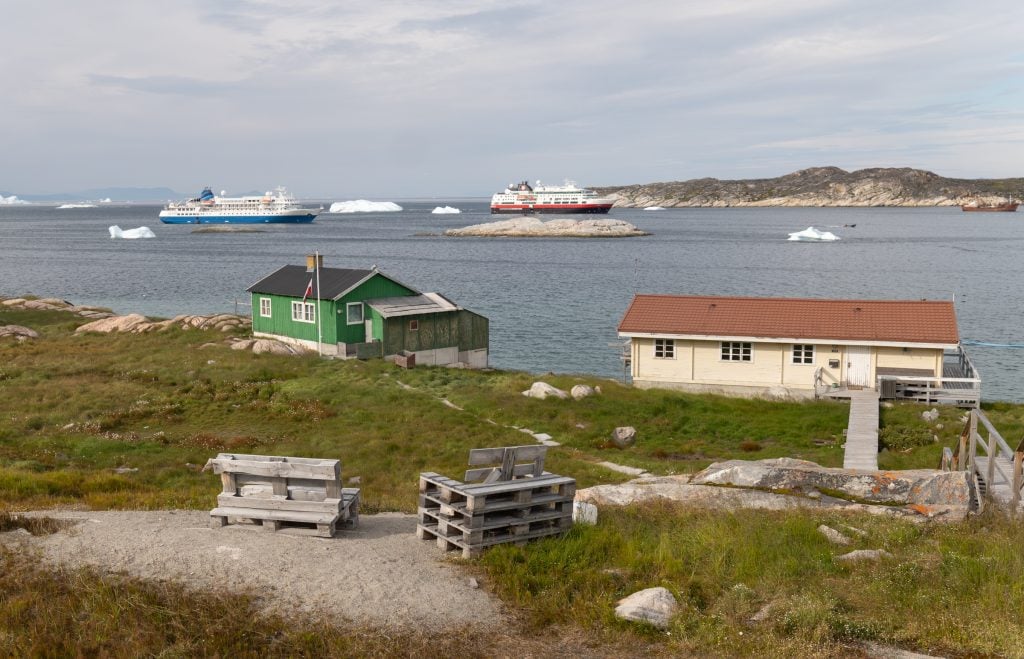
x: 314, y: 262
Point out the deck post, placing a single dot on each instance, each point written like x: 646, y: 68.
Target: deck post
x: 973, y: 434
x: 1018, y: 474
x: 993, y: 454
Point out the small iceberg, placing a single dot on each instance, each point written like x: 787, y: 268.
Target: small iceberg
x: 654, y: 208
x: 64, y: 206
x: 810, y: 234
x: 445, y: 210
x: 131, y: 234
x: 11, y: 201
x: 364, y: 206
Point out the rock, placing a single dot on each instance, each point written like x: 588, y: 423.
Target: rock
x: 655, y: 606
x: 864, y: 555
x: 244, y: 344
x: 762, y: 613
x: 584, y: 513
x: 580, y: 391
x: 542, y: 390
x: 624, y: 436
x: 126, y: 470
x: 355, y: 480
x: 931, y: 416
x: 18, y: 331
x: 114, y: 324
x: 926, y: 487
x: 263, y: 346
x: 13, y: 302
x: 833, y: 536
x: 473, y: 583
x: 530, y: 226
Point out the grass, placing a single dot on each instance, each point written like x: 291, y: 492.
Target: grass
x: 128, y: 421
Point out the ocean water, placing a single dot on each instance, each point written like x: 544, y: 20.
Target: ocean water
x: 553, y: 303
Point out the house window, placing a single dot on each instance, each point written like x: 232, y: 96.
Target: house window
x: 265, y: 307
x: 736, y: 351
x: 664, y: 348
x: 354, y: 313
x: 414, y: 325
x: 803, y: 353
x: 303, y: 312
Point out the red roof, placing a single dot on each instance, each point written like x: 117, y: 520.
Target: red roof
x: 901, y: 321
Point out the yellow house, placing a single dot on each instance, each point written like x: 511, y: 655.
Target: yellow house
x: 798, y: 348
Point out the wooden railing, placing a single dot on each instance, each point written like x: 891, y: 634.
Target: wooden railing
x: 964, y: 390
x: 990, y: 457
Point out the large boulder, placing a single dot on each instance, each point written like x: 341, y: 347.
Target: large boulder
x: 19, y: 332
x: 655, y: 606
x: 129, y: 323
x: 581, y: 391
x: 624, y: 437
x: 927, y: 487
x: 542, y: 390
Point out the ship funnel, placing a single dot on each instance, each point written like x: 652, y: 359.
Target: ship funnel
x: 314, y: 261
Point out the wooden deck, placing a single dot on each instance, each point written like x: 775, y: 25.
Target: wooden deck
x: 862, y: 431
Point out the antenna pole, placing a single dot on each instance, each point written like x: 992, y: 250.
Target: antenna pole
x: 319, y: 324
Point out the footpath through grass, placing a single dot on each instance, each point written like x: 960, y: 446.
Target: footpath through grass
x: 127, y: 421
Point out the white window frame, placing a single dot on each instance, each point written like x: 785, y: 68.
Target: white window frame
x: 803, y: 353
x: 414, y: 325
x: 348, y: 313
x: 265, y: 307
x: 664, y: 348
x: 736, y: 351
x: 303, y: 312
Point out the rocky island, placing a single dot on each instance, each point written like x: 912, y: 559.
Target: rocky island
x: 533, y: 227
x: 821, y: 186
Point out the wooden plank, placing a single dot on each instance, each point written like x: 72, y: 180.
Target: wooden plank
x: 483, y: 456
x: 279, y: 515
x: 326, y: 506
x: 516, y: 485
x: 479, y: 473
x: 279, y: 469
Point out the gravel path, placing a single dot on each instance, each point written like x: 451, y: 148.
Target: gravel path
x: 377, y: 574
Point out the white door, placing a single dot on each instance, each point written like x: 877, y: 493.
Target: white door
x: 369, y: 331
x: 858, y: 366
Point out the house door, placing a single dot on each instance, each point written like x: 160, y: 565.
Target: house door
x: 369, y: 330
x: 858, y: 366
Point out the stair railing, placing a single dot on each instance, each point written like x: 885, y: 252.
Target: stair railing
x: 995, y: 449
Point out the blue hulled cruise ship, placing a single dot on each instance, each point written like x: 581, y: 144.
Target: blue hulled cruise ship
x: 278, y: 207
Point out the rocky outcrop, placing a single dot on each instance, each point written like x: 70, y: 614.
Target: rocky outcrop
x: 19, y: 332
x: 926, y: 487
x: 137, y: 323
x: 55, y: 304
x: 267, y: 346
x: 534, y: 227
x: 821, y: 186
x: 542, y: 390
x: 797, y: 484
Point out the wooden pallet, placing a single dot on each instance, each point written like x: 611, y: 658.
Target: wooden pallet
x: 299, y: 495
x: 511, y: 503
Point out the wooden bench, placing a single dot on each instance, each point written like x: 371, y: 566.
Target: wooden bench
x: 506, y: 497
x: 302, y: 495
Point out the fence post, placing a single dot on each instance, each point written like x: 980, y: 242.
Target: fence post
x: 1018, y: 474
x: 993, y: 454
x: 972, y: 430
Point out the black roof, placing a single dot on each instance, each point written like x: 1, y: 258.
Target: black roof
x: 292, y: 280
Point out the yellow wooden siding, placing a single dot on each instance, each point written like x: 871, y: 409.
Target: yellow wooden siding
x: 926, y: 358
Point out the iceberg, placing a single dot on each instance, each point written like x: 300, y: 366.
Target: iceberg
x: 364, y: 206
x: 810, y: 234
x: 11, y: 201
x: 654, y: 208
x: 445, y: 210
x: 131, y: 234
x: 63, y: 206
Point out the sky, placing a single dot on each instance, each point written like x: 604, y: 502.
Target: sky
x: 390, y: 99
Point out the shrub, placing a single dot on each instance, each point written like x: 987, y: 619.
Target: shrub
x: 902, y: 438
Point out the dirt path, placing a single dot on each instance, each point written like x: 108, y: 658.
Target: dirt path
x: 377, y: 574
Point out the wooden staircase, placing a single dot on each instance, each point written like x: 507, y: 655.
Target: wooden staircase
x: 999, y: 470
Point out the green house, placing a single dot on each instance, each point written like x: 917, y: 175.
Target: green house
x: 349, y: 313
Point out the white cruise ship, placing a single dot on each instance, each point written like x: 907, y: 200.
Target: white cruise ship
x: 278, y: 207
x: 567, y: 198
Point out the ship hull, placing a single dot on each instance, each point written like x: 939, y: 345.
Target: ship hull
x: 998, y: 208
x: 555, y: 209
x: 211, y: 218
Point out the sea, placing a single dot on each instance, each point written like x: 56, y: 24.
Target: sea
x: 553, y: 303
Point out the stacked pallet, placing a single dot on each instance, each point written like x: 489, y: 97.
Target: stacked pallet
x: 301, y: 495
x: 507, y: 503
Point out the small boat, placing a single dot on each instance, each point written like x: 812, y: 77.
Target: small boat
x: 976, y: 206
x: 272, y: 208
x: 562, y: 199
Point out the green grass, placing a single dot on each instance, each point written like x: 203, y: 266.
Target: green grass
x: 76, y: 409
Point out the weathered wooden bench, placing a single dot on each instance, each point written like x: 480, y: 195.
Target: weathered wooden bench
x: 511, y: 499
x: 302, y: 495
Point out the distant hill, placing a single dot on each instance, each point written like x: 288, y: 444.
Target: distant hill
x: 821, y: 186
x: 114, y: 194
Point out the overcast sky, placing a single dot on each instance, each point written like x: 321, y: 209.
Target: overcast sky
x: 387, y: 99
